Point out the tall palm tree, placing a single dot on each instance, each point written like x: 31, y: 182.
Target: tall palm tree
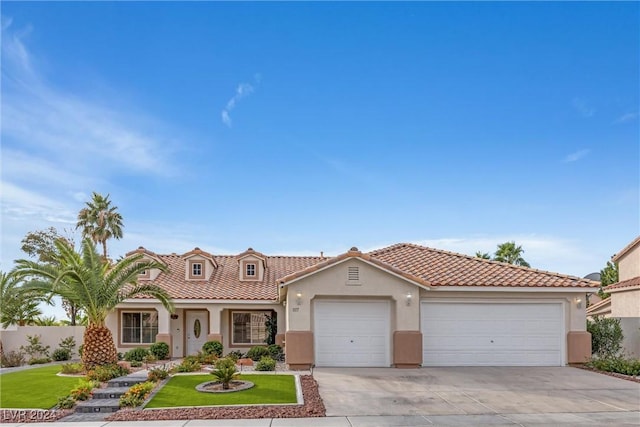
x: 96, y: 286
x: 100, y: 221
x: 510, y: 253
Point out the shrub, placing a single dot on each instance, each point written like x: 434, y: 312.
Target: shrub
x: 207, y: 359
x: 39, y: 361
x: 235, y: 355
x: 83, y: 390
x: 257, y: 352
x: 138, y: 354
x: 160, y: 350
x: 213, y: 347
x: 266, y: 363
x: 189, y: 364
x: 12, y: 358
x: 71, y: 368
x: 35, y: 349
x: 606, y: 336
x: 61, y: 354
x: 157, y: 374
x: 275, y: 351
x: 80, y: 349
x: 65, y: 402
x: 225, y: 372
x: 69, y: 344
x: 621, y: 365
x: 136, y: 394
x: 135, y: 364
x: 150, y: 358
x: 106, y: 372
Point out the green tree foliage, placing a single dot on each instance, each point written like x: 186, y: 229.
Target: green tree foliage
x: 606, y: 336
x: 507, y: 252
x: 93, y: 284
x: 608, y: 276
x: 40, y: 244
x: 100, y: 221
x: 17, y: 306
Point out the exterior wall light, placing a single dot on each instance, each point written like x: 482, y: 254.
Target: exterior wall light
x: 409, y: 296
x: 578, y: 302
x: 299, y: 298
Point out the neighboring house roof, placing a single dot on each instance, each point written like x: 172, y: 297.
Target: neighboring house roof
x: 600, y: 308
x: 443, y: 268
x: 625, y: 285
x: 626, y: 249
x: 224, y: 282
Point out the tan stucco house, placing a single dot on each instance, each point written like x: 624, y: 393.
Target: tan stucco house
x: 404, y: 306
x: 624, y: 302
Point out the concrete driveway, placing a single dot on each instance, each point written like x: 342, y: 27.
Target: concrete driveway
x: 479, y: 390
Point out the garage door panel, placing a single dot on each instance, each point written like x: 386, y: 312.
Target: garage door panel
x: 352, y: 333
x: 491, y: 334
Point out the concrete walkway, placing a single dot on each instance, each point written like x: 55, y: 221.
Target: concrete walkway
x: 521, y: 420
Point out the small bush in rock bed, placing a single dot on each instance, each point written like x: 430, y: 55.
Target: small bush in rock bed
x: 61, y: 354
x: 65, y: 402
x: 136, y: 394
x: 71, y: 368
x: 620, y: 365
x: 160, y: 350
x: 275, y: 351
x: 157, y: 374
x: 137, y: 354
x: 135, y: 364
x: 83, y: 389
x: 189, y: 364
x: 266, y: 363
x: 206, y: 358
x: 39, y: 361
x: 12, y: 359
x: 257, y: 352
x: 106, y: 372
x: 235, y: 355
x: 213, y: 347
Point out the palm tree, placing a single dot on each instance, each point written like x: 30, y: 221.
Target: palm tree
x: 96, y: 286
x: 46, y: 321
x: 510, y: 253
x: 483, y: 255
x: 100, y: 221
x: 17, y: 307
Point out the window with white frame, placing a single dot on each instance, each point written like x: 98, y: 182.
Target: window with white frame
x: 250, y: 270
x: 196, y: 269
x: 139, y: 327
x: 249, y: 327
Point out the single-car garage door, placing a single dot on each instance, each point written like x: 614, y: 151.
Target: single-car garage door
x: 492, y: 334
x: 349, y: 333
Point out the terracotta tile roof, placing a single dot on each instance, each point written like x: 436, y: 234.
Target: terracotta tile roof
x: 354, y: 253
x: 625, y: 285
x: 626, y: 249
x: 225, y: 282
x: 443, y: 268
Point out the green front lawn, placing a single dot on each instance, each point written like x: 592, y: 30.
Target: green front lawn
x: 181, y: 391
x: 37, y: 388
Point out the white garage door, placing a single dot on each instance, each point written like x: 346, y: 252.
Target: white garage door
x: 351, y: 333
x: 492, y: 334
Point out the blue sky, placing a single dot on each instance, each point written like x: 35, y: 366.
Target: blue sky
x: 296, y: 128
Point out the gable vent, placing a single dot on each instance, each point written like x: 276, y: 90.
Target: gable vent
x: 353, y: 274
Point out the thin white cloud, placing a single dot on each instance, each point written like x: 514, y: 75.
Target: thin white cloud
x: 577, y: 155
x: 583, y: 107
x: 242, y: 91
x: 625, y: 118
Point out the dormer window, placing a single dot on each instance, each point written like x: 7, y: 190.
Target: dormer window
x: 196, y: 270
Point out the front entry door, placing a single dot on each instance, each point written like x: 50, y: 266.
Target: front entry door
x: 197, y: 328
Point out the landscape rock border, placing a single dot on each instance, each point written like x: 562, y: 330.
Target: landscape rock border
x: 241, y: 385
x: 312, y: 407
x: 611, y: 374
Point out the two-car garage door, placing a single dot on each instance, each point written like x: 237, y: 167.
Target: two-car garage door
x: 492, y: 334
